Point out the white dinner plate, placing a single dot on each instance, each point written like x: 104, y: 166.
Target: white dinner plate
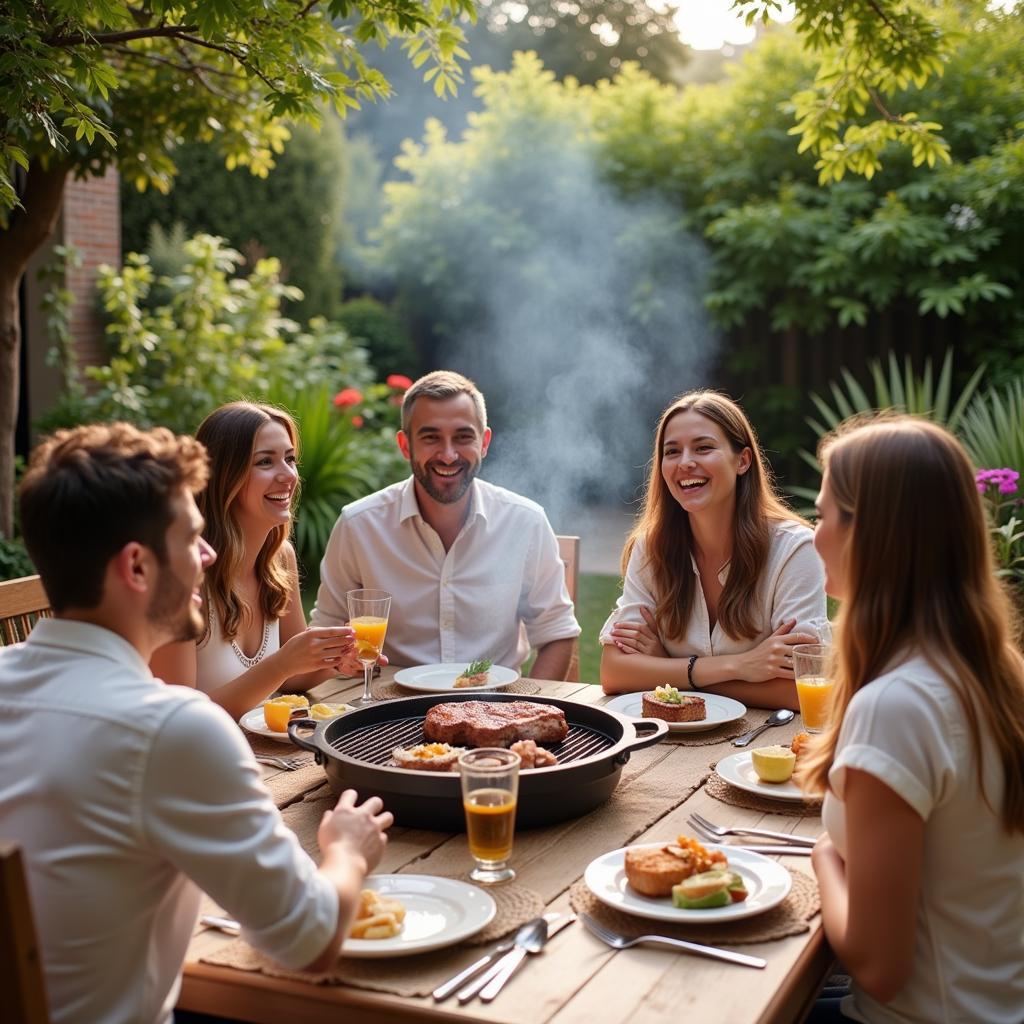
x: 438, y: 912
x: 254, y: 722
x: 441, y: 678
x: 738, y: 771
x: 767, y: 882
x: 720, y: 711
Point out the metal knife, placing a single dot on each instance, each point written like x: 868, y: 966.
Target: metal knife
x: 556, y: 922
x: 442, y: 992
x: 787, y: 851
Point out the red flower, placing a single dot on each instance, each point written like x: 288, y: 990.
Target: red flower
x: 348, y: 396
x: 399, y: 382
x: 357, y: 422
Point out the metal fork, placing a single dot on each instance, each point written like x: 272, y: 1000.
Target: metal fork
x: 617, y: 941
x: 765, y: 833
x: 288, y: 764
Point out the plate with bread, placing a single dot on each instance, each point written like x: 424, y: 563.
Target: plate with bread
x: 684, y: 881
x: 456, y: 677
x: 399, y: 915
x: 684, y: 710
x: 766, y: 771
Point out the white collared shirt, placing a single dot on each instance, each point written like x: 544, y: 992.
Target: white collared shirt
x: 791, y: 586
x: 498, y: 591
x: 128, y: 796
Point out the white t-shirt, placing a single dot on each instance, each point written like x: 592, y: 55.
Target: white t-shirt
x: 128, y: 797
x: 497, y: 592
x: 218, y: 661
x: 791, y: 586
x: 907, y: 729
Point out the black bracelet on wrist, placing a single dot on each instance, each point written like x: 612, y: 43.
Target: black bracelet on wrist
x: 689, y: 672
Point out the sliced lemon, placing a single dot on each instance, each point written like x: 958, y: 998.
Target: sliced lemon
x: 328, y: 710
x: 773, y: 764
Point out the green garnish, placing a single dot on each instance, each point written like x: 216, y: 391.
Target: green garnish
x: 668, y: 694
x: 477, y: 668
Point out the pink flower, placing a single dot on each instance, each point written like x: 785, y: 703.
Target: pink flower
x: 357, y: 422
x: 348, y: 396
x: 1005, y: 480
x: 399, y: 382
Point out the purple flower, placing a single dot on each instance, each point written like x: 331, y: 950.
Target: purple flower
x: 1004, y: 480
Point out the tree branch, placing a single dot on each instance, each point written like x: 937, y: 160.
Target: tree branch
x: 106, y: 38
x: 234, y: 55
x: 881, y: 108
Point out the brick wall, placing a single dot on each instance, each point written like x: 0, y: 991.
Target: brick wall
x: 92, y: 223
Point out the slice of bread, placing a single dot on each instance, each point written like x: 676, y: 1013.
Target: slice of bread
x: 653, y: 872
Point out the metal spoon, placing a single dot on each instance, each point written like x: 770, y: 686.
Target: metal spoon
x: 780, y: 717
x: 529, y: 938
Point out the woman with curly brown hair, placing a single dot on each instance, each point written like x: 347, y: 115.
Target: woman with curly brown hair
x: 721, y: 578
x: 256, y: 639
x: 922, y: 768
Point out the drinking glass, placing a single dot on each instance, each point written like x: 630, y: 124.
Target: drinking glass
x: 813, y: 687
x: 368, y: 612
x: 490, y: 787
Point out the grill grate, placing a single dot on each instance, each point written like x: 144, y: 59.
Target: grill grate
x: 373, y: 743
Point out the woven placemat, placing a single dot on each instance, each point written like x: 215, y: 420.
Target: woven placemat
x: 709, y: 737
x: 415, y: 975
x: 391, y: 691
x: 715, y: 786
x: 790, y: 917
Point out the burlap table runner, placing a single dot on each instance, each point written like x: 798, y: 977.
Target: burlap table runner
x: 790, y: 917
x: 721, y: 790
x: 391, y: 691
x: 709, y: 737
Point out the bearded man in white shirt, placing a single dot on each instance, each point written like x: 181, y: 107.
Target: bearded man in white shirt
x: 129, y: 796
x: 473, y: 569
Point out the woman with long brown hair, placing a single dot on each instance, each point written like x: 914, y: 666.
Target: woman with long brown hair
x: 922, y: 769
x: 721, y: 578
x: 251, y: 595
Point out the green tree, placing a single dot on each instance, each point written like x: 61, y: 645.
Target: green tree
x: 295, y: 212
x: 87, y: 83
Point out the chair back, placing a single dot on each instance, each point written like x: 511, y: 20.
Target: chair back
x: 569, y: 552
x: 22, y: 988
x: 22, y: 603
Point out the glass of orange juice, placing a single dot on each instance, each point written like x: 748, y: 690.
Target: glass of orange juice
x: 368, y: 612
x: 490, y: 788
x: 813, y: 686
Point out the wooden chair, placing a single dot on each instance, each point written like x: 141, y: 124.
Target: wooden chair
x: 22, y: 603
x: 22, y: 989
x: 569, y: 552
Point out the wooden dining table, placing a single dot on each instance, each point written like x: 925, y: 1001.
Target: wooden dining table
x: 576, y: 977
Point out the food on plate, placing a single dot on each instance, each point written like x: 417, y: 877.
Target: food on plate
x: 709, y: 889
x: 476, y: 674
x: 773, y: 764
x: 427, y: 757
x: 278, y: 711
x: 298, y: 701
x: 322, y: 711
x: 673, y: 705
x: 377, y: 917
x: 533, y: 756
x: 654, y: 871
x: 479, y: 723
x: 799, y: 746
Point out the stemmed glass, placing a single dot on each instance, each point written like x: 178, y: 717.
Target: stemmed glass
x: 368, y: 612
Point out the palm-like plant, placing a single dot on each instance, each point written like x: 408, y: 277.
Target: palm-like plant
x: 993, y: 428
x: 900, y: 390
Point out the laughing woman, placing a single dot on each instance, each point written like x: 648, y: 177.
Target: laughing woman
x: 251, y: 592
x: 721, y: 579
x: 922, y: 888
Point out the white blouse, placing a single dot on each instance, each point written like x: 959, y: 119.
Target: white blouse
x: 218, y: 661
x: 792, y: 586
x: 908, y: 729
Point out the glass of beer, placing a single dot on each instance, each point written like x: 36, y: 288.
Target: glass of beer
x: 368, y: 612
x: 490, y: 787
x: 813, y: 687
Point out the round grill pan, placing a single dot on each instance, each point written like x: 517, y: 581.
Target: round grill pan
x: 355, y: 750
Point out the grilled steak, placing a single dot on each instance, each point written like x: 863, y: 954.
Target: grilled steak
x: 478, y: 723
